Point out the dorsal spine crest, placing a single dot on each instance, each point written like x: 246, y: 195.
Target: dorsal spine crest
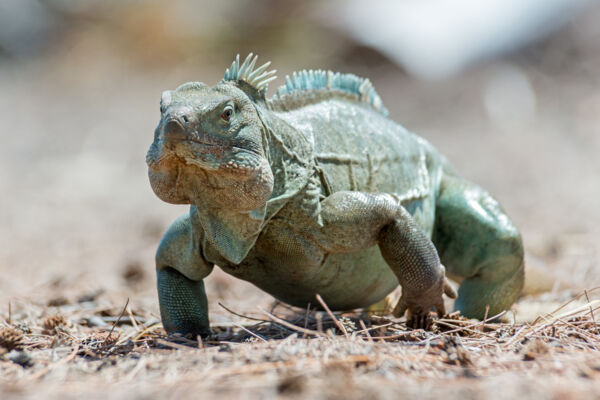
x: 258, y: 78
x: 309, y: 80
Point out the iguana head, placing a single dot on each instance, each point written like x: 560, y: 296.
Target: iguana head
x: 209, y: 145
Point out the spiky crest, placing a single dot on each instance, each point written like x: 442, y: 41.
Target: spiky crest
x: 319, y: 80
x: 258, y: 78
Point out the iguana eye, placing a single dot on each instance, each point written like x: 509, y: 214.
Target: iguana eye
x: 226, y: 116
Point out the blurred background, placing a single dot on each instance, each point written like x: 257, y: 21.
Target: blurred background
x: 507, y: 90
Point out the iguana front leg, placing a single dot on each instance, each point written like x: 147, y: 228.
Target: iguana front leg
x: 180, y: 269
x: 356, y: 220
x: 183, y: 304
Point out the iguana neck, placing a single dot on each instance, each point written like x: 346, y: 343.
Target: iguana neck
x: 231, y: 233
x: 290, y: 155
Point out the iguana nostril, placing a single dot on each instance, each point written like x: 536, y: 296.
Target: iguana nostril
x: 173, y: 129
x: 185, y: 119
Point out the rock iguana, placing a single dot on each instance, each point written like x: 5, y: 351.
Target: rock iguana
x: 317, y: 191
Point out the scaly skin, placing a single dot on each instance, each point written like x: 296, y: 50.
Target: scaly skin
x: 315, y: 191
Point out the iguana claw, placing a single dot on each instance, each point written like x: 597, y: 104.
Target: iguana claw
x: 418, y: 307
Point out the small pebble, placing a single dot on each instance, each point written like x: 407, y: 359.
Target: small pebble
x: 22, y: 358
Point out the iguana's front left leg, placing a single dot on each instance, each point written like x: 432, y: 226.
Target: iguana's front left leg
x: 356, y: 220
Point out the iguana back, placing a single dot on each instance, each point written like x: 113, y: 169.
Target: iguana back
x: 356, y: 146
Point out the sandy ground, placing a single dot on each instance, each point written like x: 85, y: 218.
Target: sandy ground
x: 80, y: 225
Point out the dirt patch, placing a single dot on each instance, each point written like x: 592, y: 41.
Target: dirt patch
x: 74, y: 351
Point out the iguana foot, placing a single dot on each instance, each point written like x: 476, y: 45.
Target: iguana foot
x: 418, y: 305
x: 183, y: 305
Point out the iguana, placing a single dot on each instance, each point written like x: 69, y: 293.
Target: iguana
x: 317, y: 191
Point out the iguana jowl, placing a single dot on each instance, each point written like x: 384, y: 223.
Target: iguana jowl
x: 316, y: 191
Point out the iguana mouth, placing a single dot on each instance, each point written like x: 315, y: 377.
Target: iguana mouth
x: 205, y: 146
x: 211, y: 156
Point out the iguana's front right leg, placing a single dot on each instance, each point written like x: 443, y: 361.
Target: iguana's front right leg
x: 183, y: 305
x: 180, y: 269
x: 356, y: 220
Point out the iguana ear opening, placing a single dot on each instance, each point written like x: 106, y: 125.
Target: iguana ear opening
x: 253, y: 82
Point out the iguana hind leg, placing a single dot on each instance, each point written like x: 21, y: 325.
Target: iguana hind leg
x: 357, y: 220
x: 478, y: 243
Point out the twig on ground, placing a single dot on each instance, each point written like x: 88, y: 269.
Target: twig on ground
x: 464, y: 328
x: 252, y: 333
x: 365, y: 330
x: 292, y: 326
x: 147, y: 330
x: 485, y: 316
x: 306, y: 319
x: 567, y: 303
x: 467, y: 327
x: 241, y: 315
x: 591, y: 311
x: 132, y: 319
x: 116, y: 322
x: 333, y: 318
